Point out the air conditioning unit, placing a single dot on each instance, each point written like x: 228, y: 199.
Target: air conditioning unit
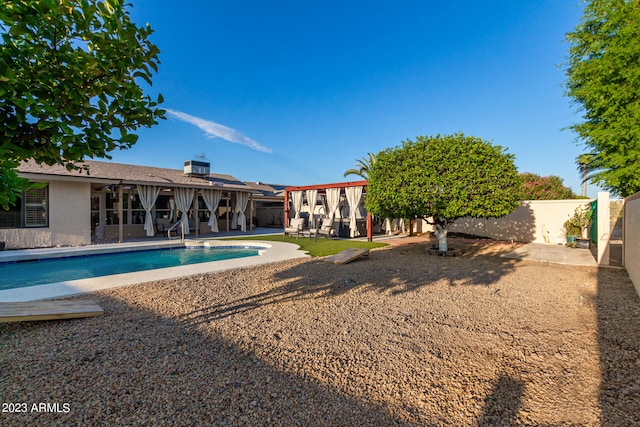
x: 196, y: 168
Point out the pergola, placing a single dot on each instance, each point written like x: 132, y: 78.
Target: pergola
x: 321, y: 189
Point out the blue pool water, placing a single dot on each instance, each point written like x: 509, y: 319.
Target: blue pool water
x: 30, y: 273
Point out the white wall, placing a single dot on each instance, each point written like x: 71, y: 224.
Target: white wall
x: 631, y: 239
x: 537, y: 221
x: 69, y: 220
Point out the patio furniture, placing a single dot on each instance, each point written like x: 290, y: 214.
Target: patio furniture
x: 296, y: 227
x: 325, y: 230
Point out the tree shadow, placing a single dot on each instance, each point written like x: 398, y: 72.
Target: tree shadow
x: 520, y: 226
x: 394, y: 270
x: 502, y: 405
x: 154, y: 370
x: 618, y: 311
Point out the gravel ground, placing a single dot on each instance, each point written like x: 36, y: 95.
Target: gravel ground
x: 400, y: 339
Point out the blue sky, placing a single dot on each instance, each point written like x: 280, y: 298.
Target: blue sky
x: 294, y: 92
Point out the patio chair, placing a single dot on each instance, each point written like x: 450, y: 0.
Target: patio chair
x: 326, y: 229
x: 296, y: 226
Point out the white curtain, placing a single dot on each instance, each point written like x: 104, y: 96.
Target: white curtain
x: 333, y: 201
x: 184, y: 197
x: 212, y: 200
x: 241, y: 204
x: 296, y: 198
x: 148, y: 195
x: 172, y: 207
x: 354, y: 197
x: 312, y: 197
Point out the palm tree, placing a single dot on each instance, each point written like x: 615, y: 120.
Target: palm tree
x: 363, y: 167
x: 588, y: 166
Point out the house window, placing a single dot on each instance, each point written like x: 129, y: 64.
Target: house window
x: 30, y: 210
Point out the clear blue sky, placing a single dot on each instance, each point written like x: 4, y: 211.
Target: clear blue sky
x: 294, y: 92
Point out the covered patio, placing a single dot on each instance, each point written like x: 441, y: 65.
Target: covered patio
x: 328, y: 200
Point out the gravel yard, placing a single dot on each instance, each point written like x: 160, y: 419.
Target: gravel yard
x: 402, y: 338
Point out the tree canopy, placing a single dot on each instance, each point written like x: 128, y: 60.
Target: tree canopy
x: 71, y: 76
x: 445, y: 178
x: 603, y: 79
x: 536, y: 187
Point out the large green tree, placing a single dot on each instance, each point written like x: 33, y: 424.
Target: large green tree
x: 603, y: 78
x: 443, y: 178
x: 71, y: 83
x: 536, y: 187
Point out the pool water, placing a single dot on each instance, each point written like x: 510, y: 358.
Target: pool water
x: 29, y: 273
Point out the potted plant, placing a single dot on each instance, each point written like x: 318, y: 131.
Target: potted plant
x: 577, y: 227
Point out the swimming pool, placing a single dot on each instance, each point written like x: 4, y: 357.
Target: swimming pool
x: 22, y: 274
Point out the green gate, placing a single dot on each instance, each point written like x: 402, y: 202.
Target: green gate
x: 593, y: 230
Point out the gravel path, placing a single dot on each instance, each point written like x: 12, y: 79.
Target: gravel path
x: 400, y: 339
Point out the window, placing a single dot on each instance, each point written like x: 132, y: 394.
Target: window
x: 30, y: 210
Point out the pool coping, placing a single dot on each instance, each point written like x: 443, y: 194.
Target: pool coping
x: 271, y: 252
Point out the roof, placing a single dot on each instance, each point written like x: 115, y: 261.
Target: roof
x: 267, y: 190
x: 133, y: 174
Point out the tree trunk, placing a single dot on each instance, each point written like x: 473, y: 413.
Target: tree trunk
x: 441, y: 234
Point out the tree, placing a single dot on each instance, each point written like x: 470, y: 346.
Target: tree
x: 536, y: 187
x: 603, y: 79
x: 363, y: 166
x: 443, y: 178
x: 70, y: 74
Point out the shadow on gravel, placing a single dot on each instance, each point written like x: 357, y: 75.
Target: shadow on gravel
x: 156, y: 371
x: 618, y: 308
x: 501, y: 406
x: 395, y: 270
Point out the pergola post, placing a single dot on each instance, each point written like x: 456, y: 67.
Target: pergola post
x: 120, y: 214
x: 286, y: 208
x: 196, y: 206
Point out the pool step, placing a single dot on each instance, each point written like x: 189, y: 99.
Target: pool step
x: 47, y: 310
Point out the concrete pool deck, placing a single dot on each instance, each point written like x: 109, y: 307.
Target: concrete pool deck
x: 273, y: 252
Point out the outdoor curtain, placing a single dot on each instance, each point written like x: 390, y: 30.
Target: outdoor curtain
x: 241, y: 204
x: 184, y: 197
x: 333, y: 201
x: 296, y: 198
x: 354, y: 197
x: 148, y: 195
x: 212, y: 200
x: 312, y: 197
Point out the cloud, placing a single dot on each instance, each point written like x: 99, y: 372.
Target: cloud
x: 215, y: 130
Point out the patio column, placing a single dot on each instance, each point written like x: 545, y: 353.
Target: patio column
x: 286, y: 208
x: 250, y: 213
x: 196, y: 206
x: 120, y: 214
x: 227, y: 215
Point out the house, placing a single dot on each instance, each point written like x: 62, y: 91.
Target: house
x: 112, y: 201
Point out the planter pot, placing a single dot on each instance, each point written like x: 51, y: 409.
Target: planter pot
x: 571, y: 239
x: 583, y: 243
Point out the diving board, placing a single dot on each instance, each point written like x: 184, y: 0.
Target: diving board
x: 47, y: 310
x: 348, y: 255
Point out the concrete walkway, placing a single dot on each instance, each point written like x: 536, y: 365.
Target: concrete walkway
x: 556, y: 254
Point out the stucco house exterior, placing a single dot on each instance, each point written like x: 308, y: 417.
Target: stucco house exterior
x: 113, y: 201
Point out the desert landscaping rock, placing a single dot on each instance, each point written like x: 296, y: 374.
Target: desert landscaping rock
x: 402, y: 338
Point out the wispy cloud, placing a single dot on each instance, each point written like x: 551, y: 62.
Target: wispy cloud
x: 215, y: 130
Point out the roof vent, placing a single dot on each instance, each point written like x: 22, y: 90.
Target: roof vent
x: 196, y: 168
